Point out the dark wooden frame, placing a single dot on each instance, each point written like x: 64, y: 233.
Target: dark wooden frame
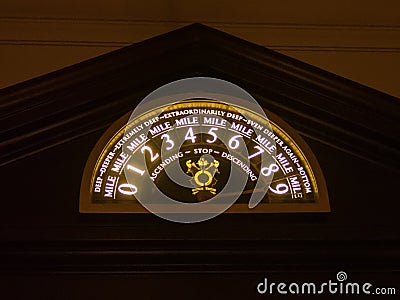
x: 342, y: 120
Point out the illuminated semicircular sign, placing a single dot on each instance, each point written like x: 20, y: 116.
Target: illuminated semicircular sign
x: 209, y: 142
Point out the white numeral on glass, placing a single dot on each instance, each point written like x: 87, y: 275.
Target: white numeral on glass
x: 211, y: 132
x: 280, y: 188
x: 169, y: 141
x: 127, y: 189
x: 266, y: 171
x: 152, y: 156
x: 260, y: 150
x: 134, y: 169
x: 234, y: 142
x: 190, y: 136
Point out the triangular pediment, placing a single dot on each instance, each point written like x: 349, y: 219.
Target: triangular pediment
x: 87, y: 97
x: 51, y: 124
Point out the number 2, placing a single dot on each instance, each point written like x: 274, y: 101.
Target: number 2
x: 152, y: 156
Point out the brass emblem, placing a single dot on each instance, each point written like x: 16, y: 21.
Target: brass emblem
x: 203, y: 175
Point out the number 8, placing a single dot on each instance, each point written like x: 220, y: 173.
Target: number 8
x: 266, y: 171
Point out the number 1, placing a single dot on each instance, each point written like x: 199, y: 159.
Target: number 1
x: 134, y: 169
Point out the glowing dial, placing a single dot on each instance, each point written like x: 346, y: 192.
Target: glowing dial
x: 204, y: 139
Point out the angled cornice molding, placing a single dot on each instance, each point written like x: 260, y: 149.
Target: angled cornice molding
x: 115, y: 33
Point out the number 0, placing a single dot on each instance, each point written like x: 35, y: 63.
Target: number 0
x: 127, y: 189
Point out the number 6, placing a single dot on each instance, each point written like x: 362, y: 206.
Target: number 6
x: 234, y: 142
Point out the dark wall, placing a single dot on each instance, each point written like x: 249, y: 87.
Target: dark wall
x: 50, y: 251
x: 48, y: 248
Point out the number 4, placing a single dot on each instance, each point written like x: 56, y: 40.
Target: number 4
x: 190, y: 136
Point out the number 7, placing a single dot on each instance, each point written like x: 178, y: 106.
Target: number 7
x: 261, y: 150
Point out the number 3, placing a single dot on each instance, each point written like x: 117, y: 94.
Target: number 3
x: 168, y: 140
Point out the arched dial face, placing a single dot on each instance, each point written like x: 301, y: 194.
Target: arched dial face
x: 165, y: 138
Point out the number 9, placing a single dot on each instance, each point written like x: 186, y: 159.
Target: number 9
x: 280, y: 188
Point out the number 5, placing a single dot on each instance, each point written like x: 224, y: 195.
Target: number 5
x: 211, y: 132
